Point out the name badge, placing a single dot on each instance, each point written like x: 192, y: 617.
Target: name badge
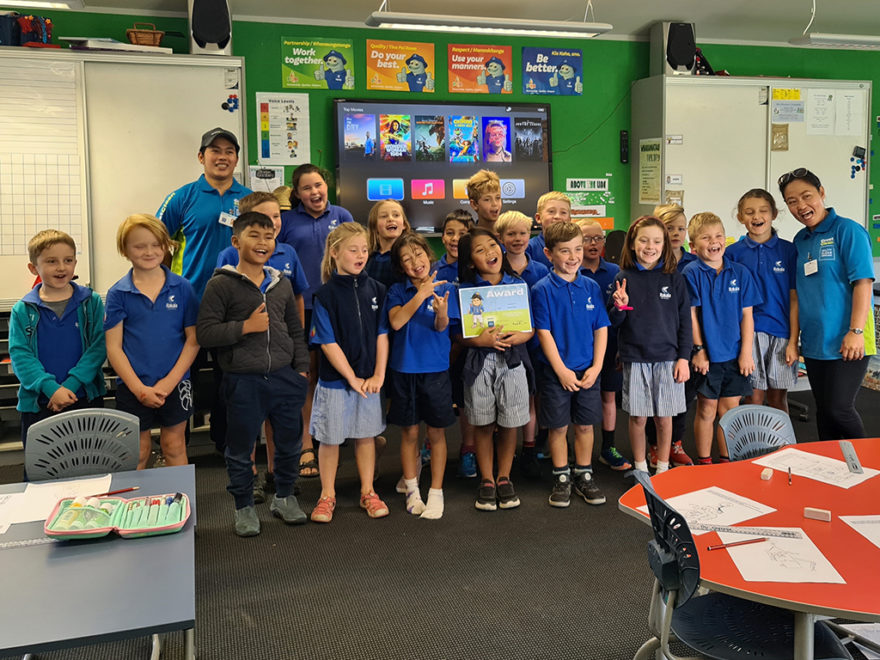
x: 226, y: 219
x: 811, y: 267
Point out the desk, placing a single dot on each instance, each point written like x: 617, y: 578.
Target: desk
x: 72, y: 593
x: 855, y: 558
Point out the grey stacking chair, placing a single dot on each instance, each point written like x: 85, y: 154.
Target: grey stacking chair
x: 752, y: 430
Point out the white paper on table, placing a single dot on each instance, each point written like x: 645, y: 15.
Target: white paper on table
x: 715, y: 506
x: 867, y: 526
x: 780, y: 559
x: 870, y: 631
x: 8, y: 505
x: 812, y: 466
x: 38, y: 499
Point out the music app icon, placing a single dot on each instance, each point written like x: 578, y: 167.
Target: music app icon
x: 428, y: 189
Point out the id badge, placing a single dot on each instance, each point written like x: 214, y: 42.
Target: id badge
x: 226, y: 219
x: 811, y: 267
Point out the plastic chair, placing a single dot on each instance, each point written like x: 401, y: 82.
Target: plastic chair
x: 716, y: 625
x: 82, y: 442
x: 752, y: 431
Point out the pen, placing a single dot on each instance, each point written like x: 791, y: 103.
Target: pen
x: 735, y: 543
x: 116, y: 492
x: 789, y: 475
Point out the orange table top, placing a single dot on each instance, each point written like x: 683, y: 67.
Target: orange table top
x: 855, y: 558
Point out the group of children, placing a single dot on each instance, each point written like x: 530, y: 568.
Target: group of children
x: 386, y: 340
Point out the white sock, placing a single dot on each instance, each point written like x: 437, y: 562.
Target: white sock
x: 641, y: 465
x: 662, y: 466
x: 434, y: 509
x: 414, y: 502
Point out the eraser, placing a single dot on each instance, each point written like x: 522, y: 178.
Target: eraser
x: 766, y: 473
x: 817, y: 514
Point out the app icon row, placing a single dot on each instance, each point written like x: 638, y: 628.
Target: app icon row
x: 425, y: 189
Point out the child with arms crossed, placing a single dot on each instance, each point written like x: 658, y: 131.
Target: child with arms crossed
x: 652, y: 308
x: 152, y: 307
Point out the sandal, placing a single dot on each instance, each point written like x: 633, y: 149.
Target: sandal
x: 323, y: 511
x: 311, y: 465
x: 374, y: 507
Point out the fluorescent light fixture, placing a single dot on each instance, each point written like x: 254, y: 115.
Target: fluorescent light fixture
x: 45, y: 4
x: 826, y: 40
x: 485, y: 25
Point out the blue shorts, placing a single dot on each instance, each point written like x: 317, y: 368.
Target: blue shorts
x: 420, y: 398
x: 559, y: 407
x: 724, y: 380
x: 178, y: 406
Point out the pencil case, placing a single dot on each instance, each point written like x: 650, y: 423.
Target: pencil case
x: 81, y: 518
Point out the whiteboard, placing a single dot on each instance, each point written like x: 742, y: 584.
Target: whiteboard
x: 138, y: 120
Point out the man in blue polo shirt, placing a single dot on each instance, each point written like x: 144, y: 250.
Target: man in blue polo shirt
x: 200, y: 214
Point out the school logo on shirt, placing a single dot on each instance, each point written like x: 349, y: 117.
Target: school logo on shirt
x: 170, y: 303
x: 778, y: 267
x: 733, y: 287
x: 590, y: 304
x: 334, y: 223
x: 429, y: 305
x: 664, y: 293
x: 374, y: 305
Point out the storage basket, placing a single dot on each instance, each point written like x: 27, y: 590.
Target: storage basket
x: 145, y: 34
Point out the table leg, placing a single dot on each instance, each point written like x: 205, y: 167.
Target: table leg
x: 189, y: 641
x: 804, y: 635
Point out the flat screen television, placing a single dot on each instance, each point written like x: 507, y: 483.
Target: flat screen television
x: 422, y: 153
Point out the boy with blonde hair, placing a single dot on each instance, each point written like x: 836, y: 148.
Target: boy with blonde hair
x: 553, y: 207
x: 484, y: 193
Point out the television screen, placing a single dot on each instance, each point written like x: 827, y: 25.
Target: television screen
x: 422, y: 154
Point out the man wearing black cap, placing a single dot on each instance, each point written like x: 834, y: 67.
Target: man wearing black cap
x: 200, y: 214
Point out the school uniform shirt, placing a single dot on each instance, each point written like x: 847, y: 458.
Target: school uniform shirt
x: 534, y: 272
x: 571, y: 311
x: 192, y: 214
x: 535, y: 251
x: 446, y: 271
x: 308, y: 236
x: 604, y: 277
x: 284, y: 259
x: 658, y: 327
x: 721, y: 298
x: 686, y: 258
x: 417, y: 347
x: 842, y: 251
x: 48, y: 352
x: 380, y: 268
x: 153, y: 332
x: 773, y: 263
x: 348, y: 312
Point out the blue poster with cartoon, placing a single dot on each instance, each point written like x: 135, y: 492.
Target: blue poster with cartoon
x: 556, y: 71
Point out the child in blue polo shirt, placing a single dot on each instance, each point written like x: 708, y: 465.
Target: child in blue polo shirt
x: 496, y: 374
x: 151, y: 307
x: 723, y: 293
x: 552, y: 207
x: 56, y: 336
x: 455, y: 225
x: 572, y: 326
x: 386, y: 222
x: 420, y: 310
x: 773, y: 261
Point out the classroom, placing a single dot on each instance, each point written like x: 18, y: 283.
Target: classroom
x: 291, y: 87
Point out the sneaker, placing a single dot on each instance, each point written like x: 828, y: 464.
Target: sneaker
x: 467, y: 465
x: 586, y: 487
x: 269, y: 482
x: 529, y: 466
x: 259, y: 490
x: 486, y: 496
x: 287, y: 508
x: 561, y: 495
x: 612, y: 458
x: 374, y: 507
x: 507, y: 498
x: 652, y: 456
x: 323, y: 511
x: 677, y: 456
x: 246, y: 521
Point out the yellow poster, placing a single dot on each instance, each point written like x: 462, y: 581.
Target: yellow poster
x: 402, y: 66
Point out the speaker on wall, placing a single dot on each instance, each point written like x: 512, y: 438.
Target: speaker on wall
x: 673, y: 49
x: 210, y: 27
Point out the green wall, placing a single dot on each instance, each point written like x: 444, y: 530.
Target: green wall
x: 584, y: 129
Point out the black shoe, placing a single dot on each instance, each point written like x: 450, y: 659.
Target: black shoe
x: 507, y: 498
x: 586, y: 487
x: 529, y: 466
x: 561, y: 495
x: 486, y: 496
x: 259, y: 490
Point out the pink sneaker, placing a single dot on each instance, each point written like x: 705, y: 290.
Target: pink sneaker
x: 374, y: 507
x: 677, y: 456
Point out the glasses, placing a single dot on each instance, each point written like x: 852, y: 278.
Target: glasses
x: 594, y: 239
x: 799, y: 173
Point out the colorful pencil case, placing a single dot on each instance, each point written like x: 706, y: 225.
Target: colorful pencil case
x: 80, y: 518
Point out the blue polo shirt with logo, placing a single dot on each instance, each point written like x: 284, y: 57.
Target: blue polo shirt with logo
x: 571, y: 311
x: 308, y: 236
x: 773, y: 263
x: 535, y: 250
x: 152, y: 332
x: 418, y: 348
x: 686, y: 258
x: 446, y: 271
x: 284, y: 259
x: 721, y: 298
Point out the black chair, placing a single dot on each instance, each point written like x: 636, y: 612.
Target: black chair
x: 716, y: 625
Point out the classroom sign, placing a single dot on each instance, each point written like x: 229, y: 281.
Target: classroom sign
x: 556, y: 71
x: 503, y: 306
x: 480, y: 69
x: 319, y: 63
x: 401, y: 66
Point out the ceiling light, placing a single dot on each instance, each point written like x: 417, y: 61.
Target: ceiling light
x: 485, y: 25
x: 824, y: 40
x: 45, y: 4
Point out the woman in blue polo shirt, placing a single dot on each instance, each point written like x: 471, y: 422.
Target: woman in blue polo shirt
x: 835, y: 274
